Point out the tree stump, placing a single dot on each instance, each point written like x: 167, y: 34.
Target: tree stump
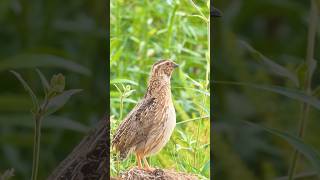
x: 157, y: 174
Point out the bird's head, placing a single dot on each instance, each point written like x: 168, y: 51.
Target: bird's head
x: 163, y: 68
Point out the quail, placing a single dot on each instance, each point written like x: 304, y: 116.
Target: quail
x: 149, y: 125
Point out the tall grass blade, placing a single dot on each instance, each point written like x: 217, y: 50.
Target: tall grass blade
x: 293, y: 94
x: 271, y: 65
x: 42, y: 60
x: 121, y: 81
x: 307, y: 150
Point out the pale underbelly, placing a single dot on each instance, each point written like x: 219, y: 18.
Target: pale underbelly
x: 169, y: 126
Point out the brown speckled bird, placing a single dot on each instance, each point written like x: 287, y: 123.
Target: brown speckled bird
x: 149, y: 125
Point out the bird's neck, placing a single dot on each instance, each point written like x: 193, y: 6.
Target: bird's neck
x: 159, y: 86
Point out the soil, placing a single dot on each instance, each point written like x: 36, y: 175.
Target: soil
x: 157, y: 174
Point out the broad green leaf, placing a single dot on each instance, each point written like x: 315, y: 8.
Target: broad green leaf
x: 120, y: 81
x: 271, y: 65
x: 297, y: 95
x: 58, y: 122
x: 44, y: 81
x: 60, y: 100
x: 28, y: 89
x: 42, y: 60
x: 307, y: 150
x: 64, y: 123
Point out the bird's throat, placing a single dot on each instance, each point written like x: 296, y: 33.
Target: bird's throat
x: 158, y: 88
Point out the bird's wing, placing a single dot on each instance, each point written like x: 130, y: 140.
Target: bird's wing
x: 134, y: 128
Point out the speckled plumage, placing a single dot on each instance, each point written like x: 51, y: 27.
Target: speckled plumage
x: 149, y: 125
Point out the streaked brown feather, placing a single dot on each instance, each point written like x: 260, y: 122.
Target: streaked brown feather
x: 144, y: 127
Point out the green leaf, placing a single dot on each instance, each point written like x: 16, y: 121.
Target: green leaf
x: 128, y: 93
x: 308, y: 151
x: 64, y: 123
x: 44, y: 81
x: 125, y: 100
x: 271, y: 65
x: 193, y: 81
x: 42, y: 60
x: 206, y: 167
x: 28, y: 89
x: 193, y: 89
x: 125, y: 81
x: 60, y: 100
x: 297, y: 95
x: 57, y: 122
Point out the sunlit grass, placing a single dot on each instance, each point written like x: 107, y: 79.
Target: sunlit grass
x: 143, y: 32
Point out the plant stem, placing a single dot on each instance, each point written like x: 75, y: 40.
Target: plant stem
x: 205, y: 86
x: 36, y: 147
x: 37, y: 136
x: 121, y: 107
x: 307, y: 82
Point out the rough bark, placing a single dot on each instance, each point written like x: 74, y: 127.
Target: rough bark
x: 88, y: 160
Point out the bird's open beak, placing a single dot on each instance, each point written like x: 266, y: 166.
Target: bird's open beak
x: 175, y: 65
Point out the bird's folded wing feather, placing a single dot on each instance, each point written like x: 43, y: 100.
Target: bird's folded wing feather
x: 135, y: 127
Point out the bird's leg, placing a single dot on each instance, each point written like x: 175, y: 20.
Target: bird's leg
x: 147, y: 166
x: 139, y: 161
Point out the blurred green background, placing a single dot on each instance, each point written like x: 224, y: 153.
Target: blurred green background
x: 248, y: 40
x: 143, y: 32
x: 57, y: 36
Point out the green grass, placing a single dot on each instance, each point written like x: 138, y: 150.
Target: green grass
x: 265, y: 49
x: 57, y: 36
x: 143, y: 32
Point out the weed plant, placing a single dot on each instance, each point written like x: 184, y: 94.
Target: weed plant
x: 143, y: 32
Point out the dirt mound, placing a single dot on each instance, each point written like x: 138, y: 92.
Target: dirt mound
x: 157, y: 174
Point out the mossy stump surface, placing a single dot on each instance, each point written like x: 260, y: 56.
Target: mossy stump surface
x: 157, y: 174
